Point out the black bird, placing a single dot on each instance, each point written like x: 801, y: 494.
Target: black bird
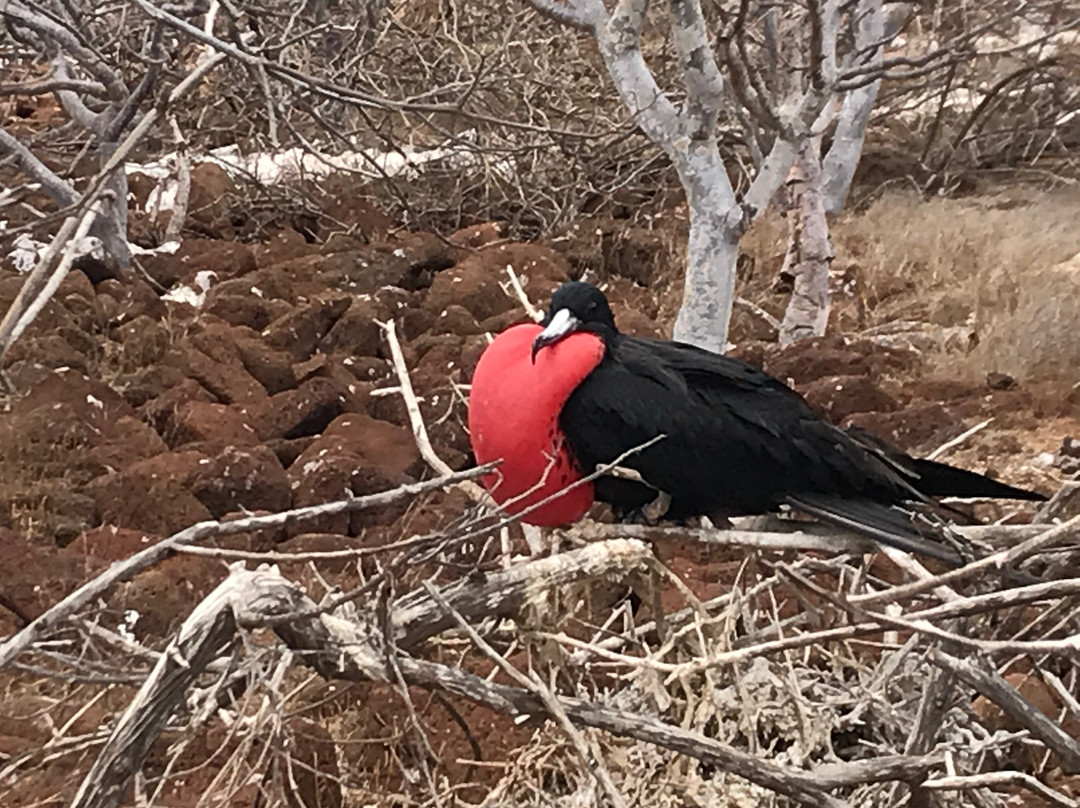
x: 738, y: 441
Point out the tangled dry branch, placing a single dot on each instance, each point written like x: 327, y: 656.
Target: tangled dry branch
x: 788, y: 652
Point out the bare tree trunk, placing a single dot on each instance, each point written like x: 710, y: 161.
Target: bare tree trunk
x: 807, y: 313
x: 709, y: 288
x: 711, y: 253
x: 838, y: 167
x: 111, y: 228
x: 687, y: 134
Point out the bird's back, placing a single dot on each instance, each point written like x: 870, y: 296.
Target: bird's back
x: 737, y: 440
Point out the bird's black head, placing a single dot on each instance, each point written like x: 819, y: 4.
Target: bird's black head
x: 575, y: 306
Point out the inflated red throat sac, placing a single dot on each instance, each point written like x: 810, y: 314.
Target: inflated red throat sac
x: 514, y: 408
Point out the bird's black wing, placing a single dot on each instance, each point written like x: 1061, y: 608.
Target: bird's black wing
x: 737, y: 441
x: 914, y: 527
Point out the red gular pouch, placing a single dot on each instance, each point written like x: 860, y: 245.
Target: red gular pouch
x: 514, y: 408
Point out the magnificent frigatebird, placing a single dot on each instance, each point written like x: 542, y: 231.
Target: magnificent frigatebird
x: 558, y: 399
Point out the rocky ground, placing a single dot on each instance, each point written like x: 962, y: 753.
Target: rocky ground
x: 136, y: 416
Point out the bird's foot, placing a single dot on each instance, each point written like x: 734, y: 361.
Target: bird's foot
x: 652, y: 514
x: 635, y: 516
x: 656, y: 510
x: 717, y: 521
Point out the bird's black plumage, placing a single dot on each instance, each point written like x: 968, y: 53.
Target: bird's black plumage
x: 738, y: 441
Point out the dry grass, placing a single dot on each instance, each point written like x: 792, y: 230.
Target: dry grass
x: 998, y: 263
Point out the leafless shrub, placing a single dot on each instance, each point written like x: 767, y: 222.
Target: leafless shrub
x: 527, y: 101
x: 807, y: 676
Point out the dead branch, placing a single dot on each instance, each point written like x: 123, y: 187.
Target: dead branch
x: 156, y: 553
x: 209, y: 629
x: 995, y: 561
x: 37, y: 288
x: 53, y: 31
x: 987, y: 779
x: 175, y: 227
x: 949, y: 445
x: 347, y: 649
x: 44, y: 280
x: 993, y: 686
x: 416, y: 418
x: 417, y: 617
x: 59, y: 190
x: 515, y: 283
x: 800, y: 536
x: 537, y: 687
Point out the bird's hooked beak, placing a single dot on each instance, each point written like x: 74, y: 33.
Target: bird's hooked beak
x: 561, y: 325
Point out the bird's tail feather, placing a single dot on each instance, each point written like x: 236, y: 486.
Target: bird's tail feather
x: 912, y: 531
x: 941, y: 480
x: 933, y: 479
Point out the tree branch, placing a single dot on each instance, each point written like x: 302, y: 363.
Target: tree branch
x: 123, y: 116
x: 991, y: 685
x: 52, y: 85
x: 60, y: 191
x: 339, y: 648
x: 69, y: 43
x: 70, y: 101
x: 585, y: 15
x: 43, y: 281
x: 932, y: 60
x: 416, y: 617
x: 620, y: 44
x: 745, y: 80
x: 704, y: 84
x: 207, y: 631
x: 766, y: 183
x: 839, y: 164
x: 156, y: 553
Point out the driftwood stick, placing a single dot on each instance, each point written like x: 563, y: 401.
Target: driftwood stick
x: 991, y: 685
x: 156, y: 553
x: 417, y: 616
x: 338, y: 648
x: 210, y: 628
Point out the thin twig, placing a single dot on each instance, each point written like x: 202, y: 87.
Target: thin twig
x: 534, y: 313
x: 535, y: 685
x: 156, y: 553
x: 995, y: 561
x: 416, y: 417
x: 959, y: 439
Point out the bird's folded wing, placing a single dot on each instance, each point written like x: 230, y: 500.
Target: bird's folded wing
x: 912, y: 530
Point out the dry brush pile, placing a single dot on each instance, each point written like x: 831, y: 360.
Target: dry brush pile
x: 811, y: 676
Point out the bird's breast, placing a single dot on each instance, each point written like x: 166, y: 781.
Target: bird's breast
x: 514, y: 408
